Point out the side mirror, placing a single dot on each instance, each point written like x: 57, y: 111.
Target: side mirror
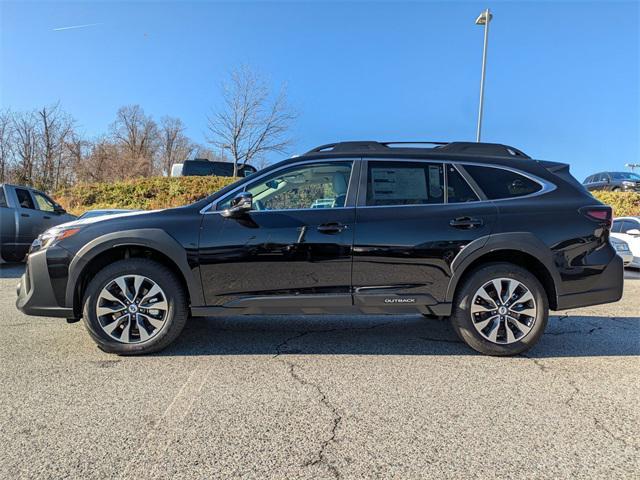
x: 634, y: 231
x: 240, y: 205
x: 59, y: 210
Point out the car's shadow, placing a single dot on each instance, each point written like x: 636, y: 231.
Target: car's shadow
x: 11, y: 270
x: 579, y: 336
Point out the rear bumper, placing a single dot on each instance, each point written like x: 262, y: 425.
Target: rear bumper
x: 35, y: 293
x: 607, y: 289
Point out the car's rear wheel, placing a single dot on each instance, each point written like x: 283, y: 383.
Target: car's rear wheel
x: 134, y: 306
x: 500, y: 309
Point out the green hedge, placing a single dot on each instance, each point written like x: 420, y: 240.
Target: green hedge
x: 163, y: 192
x: 623, y: 203
x: 143, y: 193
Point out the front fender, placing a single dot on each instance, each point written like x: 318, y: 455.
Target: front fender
x: 153, y: 238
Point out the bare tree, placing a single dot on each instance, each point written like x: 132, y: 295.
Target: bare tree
x: 78, y: 151
x: 54, y: 129
x: 6, y: 144
x: 25, y: 127
x: 175, y: 147
x: 252, y: 122
x: 101, y: 163
x: 201, y: 151
x: 137, y: 136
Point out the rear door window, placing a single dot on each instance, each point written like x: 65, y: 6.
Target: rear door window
x: 498, y: 183
x: 404, y: 183
x: 24, y: 199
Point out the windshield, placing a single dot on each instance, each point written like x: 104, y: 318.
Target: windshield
x: 625, y: 176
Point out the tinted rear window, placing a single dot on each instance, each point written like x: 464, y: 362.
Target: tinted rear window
x: 498, y: 183
x: 222, y: 169
x: 197, y: 168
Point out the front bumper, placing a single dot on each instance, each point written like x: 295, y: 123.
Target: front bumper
x: 608, y: 288
x: 35, y: 292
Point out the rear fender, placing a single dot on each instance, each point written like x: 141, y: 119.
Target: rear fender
x: 524, y: 242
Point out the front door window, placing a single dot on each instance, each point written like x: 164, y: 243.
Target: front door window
x: 310, y: 186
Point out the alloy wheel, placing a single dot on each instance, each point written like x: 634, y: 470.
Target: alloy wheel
x: 132, y: 309
x: 503, y: 311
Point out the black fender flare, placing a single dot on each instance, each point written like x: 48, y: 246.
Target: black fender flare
x: 153, y: 238
x: 524, y: 242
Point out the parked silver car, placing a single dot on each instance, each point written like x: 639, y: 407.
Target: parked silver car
x: 24, y: 214
x: 627, y: 229
x: 623, y: 250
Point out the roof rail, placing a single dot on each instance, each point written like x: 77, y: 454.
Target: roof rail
x: 349, y: 146
x: 483, y: 149
x: 467, y: 148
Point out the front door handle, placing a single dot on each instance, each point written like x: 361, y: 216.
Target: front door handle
x: 331, y: 228
x: 466, y: 223
x: 47, y: 217
x: 24, y: 215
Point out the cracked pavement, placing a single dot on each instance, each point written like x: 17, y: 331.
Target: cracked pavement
x: 322, y: 397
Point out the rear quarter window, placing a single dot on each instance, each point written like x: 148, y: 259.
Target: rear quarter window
x: 497, y: 183
x: 3, y: 199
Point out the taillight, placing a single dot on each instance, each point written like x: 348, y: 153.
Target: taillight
x: 599, y: 213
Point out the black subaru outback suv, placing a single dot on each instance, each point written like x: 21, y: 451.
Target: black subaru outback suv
x: 478, y: 232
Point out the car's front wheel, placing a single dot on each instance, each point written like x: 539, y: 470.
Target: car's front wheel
x: 500, y: 309
x: 134, y: 306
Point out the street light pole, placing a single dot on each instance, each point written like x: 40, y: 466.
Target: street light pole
x: 484, y: 19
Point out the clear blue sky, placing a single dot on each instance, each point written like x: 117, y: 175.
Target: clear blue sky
x: 562, y: 83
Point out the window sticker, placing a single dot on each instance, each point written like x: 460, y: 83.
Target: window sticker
x: 398, y: 183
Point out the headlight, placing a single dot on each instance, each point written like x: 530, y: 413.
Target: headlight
x: 628, y: 184
x: 621, y: 247
x: 54, y: 235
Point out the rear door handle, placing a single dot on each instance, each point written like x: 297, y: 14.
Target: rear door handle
x: 331, y: 228
x: 466, y: 223
x: 47, y: 217
x: 24, y: 215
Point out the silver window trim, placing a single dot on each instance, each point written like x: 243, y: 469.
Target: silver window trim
x: 473, y: 186
x: 211, y: 207
x: 546, y: 186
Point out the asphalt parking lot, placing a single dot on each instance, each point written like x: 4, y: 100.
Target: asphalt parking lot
x: 321, y: 397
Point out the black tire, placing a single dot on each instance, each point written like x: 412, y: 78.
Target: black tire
x: 176, y: 316
x: 615, y: 189
x: 461, y: 318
